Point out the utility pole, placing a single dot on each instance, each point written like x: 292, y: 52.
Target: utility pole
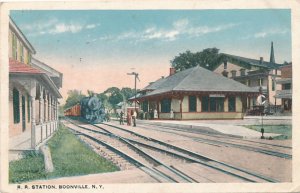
x: 136, y: 76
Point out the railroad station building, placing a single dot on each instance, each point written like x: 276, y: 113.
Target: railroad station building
x: 256, y: 73
x: 195, y: 93
x: 33, y: 95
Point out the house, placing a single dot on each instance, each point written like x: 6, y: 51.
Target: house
x: 285, y: 92
x: 255, y: 73
x: 195, y: 93
x: 33, y: 94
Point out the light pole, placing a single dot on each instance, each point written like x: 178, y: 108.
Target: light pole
x: 136, y: 76
x: 261, y: 102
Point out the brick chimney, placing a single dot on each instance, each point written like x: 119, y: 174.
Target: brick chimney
x: 172, y: 71
x: 261, y: 60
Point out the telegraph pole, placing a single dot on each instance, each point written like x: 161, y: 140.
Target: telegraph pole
x: 136, y: 76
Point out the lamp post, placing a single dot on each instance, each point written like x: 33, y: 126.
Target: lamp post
x: 136, y: 76
x: 262, y: 103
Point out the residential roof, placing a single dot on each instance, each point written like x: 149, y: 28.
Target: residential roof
x: 200, y: 79
x: 48, y: 69
x: 251, y: 62
x: 19, y: 67
x: 154, y: 85
x: 55, y: 75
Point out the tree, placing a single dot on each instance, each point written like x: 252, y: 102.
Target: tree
x: 74, y: 97
x: 208, y: 58
x: 127, y: 92
x: 114, y: 96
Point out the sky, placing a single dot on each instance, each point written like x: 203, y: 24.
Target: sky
x: 95, y: 49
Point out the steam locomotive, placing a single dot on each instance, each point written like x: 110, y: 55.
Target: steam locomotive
x: 90, y: 108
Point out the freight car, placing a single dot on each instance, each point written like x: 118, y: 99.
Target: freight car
x: 73, y: 111
x: 90, y: 108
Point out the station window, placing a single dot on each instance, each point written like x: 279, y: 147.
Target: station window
x: 16, y: 105
x: 165, y: 105
x: 145, y: 106
x: 231, y: 104
x: 21, y: 51
x: 14, y: 46
x: 205, y: 103
x: 216, y: 104
x: 192, y: 103
x: 29, y: 57
x: 212, y: 104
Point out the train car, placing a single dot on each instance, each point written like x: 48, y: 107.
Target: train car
x: 73, y: 111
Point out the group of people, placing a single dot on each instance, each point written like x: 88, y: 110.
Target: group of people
x: 131, y: 118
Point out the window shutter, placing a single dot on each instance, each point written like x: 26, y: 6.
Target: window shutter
x: 28, y: 107
x: 16, y: 105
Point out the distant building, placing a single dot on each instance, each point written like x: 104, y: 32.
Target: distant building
x: 195, y: 93
x: 285, y: 92
x: 33, y: 94
x: 258, y: 74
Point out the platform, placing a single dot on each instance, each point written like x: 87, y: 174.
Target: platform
x: 226, y: 127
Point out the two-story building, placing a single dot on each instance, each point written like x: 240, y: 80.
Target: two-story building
x: 33, y: 95
x: 285, y: 92
x: 255, y: 73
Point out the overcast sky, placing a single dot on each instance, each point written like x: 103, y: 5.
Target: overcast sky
x: 112, y: 43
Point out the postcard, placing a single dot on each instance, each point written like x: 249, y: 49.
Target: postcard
x: 149, y: 96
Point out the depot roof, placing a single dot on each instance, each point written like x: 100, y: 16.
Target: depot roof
x: 199, y: 79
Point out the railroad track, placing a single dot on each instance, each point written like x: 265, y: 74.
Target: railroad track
x: 120, y: 147
x: 232, y: 142
x: 160, y: 146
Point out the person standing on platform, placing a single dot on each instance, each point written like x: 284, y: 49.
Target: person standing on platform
x: 155, y: 114
x: 128, y: 118
x: 171, y: 114
x: 121, y: 118
x: 134, y: 118
x: 151, y: 114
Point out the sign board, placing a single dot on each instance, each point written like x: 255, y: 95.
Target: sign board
x: 216, y: 95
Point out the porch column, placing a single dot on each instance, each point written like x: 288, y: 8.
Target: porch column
x: 52, y: 109
x: 56, y: 114
x: 56, y: 106
x: 41, y: 105
x: 41, y: 110
x: 158, y: 109
x: 32, y: 100
x: 49, y: 107
x: 45, y: 106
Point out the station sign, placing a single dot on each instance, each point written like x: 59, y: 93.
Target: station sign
x: 216, y: 95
